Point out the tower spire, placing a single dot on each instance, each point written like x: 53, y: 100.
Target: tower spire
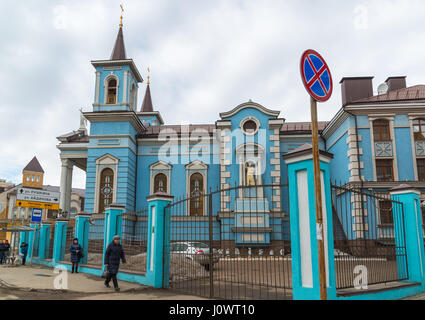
x: 118, y: 53
x: 147, y: 100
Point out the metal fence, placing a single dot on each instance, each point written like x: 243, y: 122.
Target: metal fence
x: 95, y: 241
x: 369, y: 237
x: 48, y: 249
x: 232, y: 243
x: 134, y: 237
x: 69, y: 236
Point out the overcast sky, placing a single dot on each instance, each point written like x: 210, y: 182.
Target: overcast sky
x: 205, y: 57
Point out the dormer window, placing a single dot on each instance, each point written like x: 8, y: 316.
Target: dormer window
x: 112, y: 91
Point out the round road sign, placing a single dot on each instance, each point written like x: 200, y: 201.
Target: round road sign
x: 316, y: 75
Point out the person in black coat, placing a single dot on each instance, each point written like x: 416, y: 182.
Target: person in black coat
x: 114, y: 252
x: 24, y: 251
x: 76, y: 251
x: 2, y: 251
x: 6, y: 250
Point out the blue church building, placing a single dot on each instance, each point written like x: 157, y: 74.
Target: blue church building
x: 376, y: 141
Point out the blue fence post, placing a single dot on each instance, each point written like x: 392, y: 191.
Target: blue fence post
x: 82, y: 233
x: 113, y: 223
x: 44, y: 240
x: 60, y: 238
x: 412, y: 237
x: 304, y: 235
x: 157, y: 220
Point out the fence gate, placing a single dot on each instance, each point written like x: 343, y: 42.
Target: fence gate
x: 232, y: 243
x: 369, y: 237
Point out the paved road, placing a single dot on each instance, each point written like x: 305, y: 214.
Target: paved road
x: 38, y: 283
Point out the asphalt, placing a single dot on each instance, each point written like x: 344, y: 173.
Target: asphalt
x: 39, y: 283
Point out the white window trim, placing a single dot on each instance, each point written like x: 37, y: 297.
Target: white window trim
x: 247, y: 119
x: 105, y: 87
x: 390, y: 119
x: 243, y: 156
x: 414, y: 116
x: 162, y: 167
x: 197, y: 166
x: 106, y: 161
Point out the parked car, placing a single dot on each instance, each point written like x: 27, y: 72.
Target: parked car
x: 196, y: 251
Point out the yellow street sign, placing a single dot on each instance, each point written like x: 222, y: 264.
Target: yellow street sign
x: 40, y: 205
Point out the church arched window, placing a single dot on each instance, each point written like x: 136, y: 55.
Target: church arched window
x: 112, y: 91
x: 106, y: 190
x: 160, y: 183
x: 196, y: 194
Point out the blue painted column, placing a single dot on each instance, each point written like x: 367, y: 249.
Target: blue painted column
x: 59, y: 242
x: 412, y: 237
x: 157, y: 234
x: 113, y: 225
x: 44, y: 240
x: 82, y: 233
x: 304, y: 232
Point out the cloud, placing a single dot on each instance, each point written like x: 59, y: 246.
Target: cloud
x: 205, y: 57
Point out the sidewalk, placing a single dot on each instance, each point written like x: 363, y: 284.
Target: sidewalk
x: 39, y: 280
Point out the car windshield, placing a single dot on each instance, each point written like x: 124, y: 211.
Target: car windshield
x: 200, y: 245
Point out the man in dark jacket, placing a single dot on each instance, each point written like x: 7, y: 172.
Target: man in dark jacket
x: 113, y: 254
x: 24, y: 251
x: 6, y: 250
x: 2, y: 250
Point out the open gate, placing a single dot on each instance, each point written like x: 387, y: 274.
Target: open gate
x: 231, y: 243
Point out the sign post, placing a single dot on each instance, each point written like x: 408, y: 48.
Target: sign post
x: 317, y: 80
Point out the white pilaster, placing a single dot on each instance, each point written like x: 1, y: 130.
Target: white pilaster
x: 63, y: 183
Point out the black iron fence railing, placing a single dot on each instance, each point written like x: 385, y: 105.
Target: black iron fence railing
x: 69, y: 236
x: 232, y: 243
x: 96, y: 231
x: 369, y: 237
x: 134, y: 237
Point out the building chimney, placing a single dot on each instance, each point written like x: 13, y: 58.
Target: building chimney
x: 355, y: 88
x: 395, y: 83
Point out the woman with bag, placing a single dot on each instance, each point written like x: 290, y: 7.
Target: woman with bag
x: 76, y: 253
x: 113, y: 254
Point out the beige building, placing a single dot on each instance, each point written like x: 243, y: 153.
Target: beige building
x: 32, y: 177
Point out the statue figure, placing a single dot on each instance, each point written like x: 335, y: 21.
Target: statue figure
x: 83, y: 122
x: 250, y: 174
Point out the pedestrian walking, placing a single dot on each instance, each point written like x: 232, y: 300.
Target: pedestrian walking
x: 2, y: 250
x: 76, y: 254
x: 24, y: 252
x: 114, y: 252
